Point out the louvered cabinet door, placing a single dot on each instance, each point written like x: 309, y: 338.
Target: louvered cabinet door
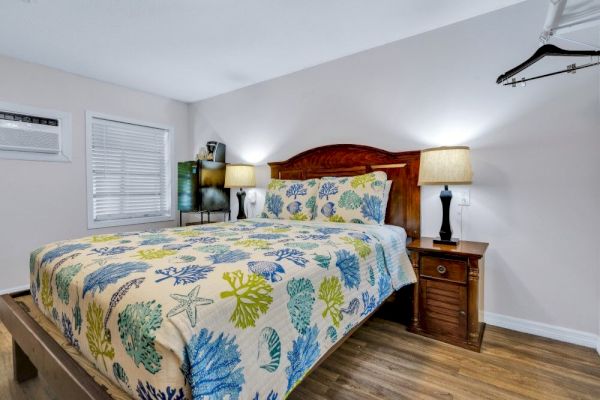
x: 444, y: 308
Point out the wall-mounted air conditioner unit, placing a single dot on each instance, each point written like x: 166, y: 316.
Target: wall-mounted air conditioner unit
x: 29, y: 133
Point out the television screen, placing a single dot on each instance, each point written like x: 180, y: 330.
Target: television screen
x: 213, y: 196
x: 214, y: 199
x: 212, y: 174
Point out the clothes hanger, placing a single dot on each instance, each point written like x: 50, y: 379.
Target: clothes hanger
x: 548, y: 50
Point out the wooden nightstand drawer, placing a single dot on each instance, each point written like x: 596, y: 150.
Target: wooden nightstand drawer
x: 444, y: 268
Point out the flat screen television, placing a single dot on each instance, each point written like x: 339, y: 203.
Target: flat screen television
x: 200, y: 186
x: 213, y: 196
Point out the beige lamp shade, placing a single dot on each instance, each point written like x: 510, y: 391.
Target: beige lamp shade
x: 445, y: 165
x: 239, y: 176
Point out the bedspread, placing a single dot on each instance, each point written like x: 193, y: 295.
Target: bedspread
x: 222, y: 311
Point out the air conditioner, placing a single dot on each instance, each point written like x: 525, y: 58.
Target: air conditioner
x: 29, y: 133
x: 35, y: 134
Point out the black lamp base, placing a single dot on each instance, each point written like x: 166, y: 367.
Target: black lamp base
x: 451, y: 242
x: 446, y: 230
x: 241, y: 195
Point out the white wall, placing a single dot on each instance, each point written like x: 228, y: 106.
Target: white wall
x: 41, y: 202
x: 534, y: 149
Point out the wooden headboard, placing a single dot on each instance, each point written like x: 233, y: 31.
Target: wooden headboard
x: 404, y: 206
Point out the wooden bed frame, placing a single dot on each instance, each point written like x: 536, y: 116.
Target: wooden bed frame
x: 35, y: 350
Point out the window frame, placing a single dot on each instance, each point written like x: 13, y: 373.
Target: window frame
x: 92, y: 224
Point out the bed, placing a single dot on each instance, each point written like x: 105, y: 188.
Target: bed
x: 232, y: 310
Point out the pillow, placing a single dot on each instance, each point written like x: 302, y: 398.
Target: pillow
x: 287, y: 199
x: 357, y: 199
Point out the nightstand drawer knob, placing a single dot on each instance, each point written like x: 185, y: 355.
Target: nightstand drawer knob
x: 462, y: 313
x: 441, y: 269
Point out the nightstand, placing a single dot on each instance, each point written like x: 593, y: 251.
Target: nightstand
x: 448, y: 295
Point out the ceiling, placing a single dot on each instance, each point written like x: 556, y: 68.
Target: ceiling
x: 194, y: 49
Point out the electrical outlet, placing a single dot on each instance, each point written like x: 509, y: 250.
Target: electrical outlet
x: 463, y: 196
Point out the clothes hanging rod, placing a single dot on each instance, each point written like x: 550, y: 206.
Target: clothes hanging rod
x: 560, y: 19
x: 556, y: 9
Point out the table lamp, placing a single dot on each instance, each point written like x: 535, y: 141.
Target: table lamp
x: 444, y: 166
x: 240, y: 176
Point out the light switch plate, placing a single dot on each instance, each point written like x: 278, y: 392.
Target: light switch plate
x: 463, y: 197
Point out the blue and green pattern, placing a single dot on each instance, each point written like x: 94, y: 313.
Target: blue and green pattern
x: 232, y: 310
x: 288, y: 199
x: 357, y: 199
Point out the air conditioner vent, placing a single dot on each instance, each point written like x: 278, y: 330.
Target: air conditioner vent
x: 34, y: 134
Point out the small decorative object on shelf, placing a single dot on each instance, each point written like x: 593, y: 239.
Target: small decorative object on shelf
x: 202, y: 154
x: 443, y: 166
x: 216, y: 151
x: 240, y: 176
x: 448, y: 295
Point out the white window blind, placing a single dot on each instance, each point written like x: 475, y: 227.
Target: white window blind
x: 130, y: 172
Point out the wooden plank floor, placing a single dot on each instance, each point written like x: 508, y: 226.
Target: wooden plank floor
x: 382, y: 361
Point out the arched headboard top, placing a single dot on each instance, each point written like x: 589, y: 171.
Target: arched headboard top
x: 402, y: 168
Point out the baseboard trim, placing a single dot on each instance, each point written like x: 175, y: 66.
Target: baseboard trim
x: 15, y: 289
x: 546, y: 330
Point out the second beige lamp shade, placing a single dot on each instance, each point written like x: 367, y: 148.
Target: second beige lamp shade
x: 240, y: 176
x: 444, y: 166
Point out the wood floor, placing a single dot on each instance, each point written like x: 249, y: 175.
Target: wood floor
x: 382, y: 361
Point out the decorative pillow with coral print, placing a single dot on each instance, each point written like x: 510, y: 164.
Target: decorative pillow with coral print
x: 357, y: 199
x: 287, y: 199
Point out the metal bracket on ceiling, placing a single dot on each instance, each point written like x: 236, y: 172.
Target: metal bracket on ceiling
x: 577, y: 18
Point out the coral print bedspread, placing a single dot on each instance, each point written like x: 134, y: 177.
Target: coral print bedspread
x: 223, y: 311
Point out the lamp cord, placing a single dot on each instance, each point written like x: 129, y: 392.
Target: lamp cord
x: 461, y: 220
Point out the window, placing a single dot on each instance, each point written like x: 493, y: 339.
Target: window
x: 128, y: 171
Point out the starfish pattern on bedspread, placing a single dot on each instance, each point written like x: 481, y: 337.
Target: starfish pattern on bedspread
x: 189, y: 304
